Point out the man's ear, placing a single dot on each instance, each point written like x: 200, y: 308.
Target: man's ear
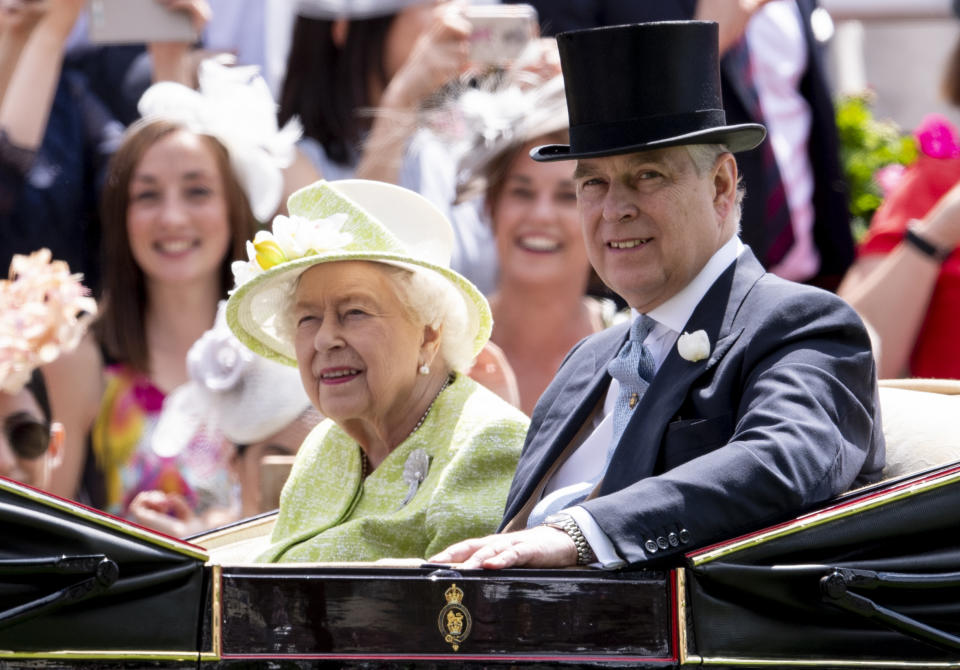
x: 55, y: 448
x: 724, y: 185
x: 338, y: 31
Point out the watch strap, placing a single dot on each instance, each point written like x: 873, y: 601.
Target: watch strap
x: 569, y: 525
x: 923, y: 245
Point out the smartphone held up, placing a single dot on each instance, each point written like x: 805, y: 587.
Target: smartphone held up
x: 138, y: 21
x: 500, y: 33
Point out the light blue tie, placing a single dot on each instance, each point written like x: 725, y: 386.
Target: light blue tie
x: 633, y: 367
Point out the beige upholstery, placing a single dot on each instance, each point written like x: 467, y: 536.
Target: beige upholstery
x: 921, y: 423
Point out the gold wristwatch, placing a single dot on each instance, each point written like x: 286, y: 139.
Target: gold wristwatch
x: 566, y: 523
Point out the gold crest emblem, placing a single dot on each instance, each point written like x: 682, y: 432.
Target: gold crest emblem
x: 454, y: 621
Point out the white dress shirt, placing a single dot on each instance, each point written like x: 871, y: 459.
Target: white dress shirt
x: 585, y: 462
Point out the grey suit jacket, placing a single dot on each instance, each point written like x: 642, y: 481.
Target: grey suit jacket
x: 782, y: 415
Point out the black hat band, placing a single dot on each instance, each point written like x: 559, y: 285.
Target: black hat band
x: 603, y: 136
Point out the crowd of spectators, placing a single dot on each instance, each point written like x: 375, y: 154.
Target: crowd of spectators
x: 150, y: 168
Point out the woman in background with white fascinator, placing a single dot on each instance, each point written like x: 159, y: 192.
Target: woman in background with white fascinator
x: 182, y: 198
x: 256, y: 404
x: 540, y: 307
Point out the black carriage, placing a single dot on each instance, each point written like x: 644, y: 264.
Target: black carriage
x: 870, y: 580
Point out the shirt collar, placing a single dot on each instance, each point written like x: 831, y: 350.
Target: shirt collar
x: 676, y: 311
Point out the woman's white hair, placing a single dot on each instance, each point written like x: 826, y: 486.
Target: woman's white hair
x: 432, y: 300
x: 429, y: 299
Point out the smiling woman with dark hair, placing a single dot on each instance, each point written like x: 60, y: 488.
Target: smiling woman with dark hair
x: 183, y: 196
x: 540, y: 306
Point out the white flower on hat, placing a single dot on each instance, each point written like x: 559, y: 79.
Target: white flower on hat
x: 292, y: 237
x: 298, y: 237
x: 694, y: 346
x: 217, y: 360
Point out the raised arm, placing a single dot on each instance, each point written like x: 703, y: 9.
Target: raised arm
x: 29, y: 94
x: 173, y: 61
x: 439, y: 56
x: 74, y: 385
x: 892, y: 292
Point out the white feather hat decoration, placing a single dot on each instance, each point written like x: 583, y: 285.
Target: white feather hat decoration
x: 234, y: 105
x: 500, y: 120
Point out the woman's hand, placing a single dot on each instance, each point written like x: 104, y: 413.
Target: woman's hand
x: 19, y: 17
x: 55, y: 17
x: 440, y: 54
x: 168, y: 513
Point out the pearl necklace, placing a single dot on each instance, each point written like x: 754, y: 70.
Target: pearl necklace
x: 365, y: 462
x: 423, y: 418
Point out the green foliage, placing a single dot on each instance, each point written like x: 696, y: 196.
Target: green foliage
x: 866, y: 146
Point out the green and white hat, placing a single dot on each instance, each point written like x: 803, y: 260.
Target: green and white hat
x: 349, y: 220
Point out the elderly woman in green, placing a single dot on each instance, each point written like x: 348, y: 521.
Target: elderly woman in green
x: 354, y: 287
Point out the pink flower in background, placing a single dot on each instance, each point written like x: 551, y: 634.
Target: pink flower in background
x: 937, y: 137
x: 888, y: 176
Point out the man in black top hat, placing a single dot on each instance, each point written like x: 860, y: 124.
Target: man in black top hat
x: 735, y: 398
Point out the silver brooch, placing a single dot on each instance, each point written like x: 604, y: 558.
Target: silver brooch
x: 414, y: 472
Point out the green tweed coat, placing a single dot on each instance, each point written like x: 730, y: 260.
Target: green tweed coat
x: 329, y: 513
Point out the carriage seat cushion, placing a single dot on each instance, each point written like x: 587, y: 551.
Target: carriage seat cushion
x: 921, y: 429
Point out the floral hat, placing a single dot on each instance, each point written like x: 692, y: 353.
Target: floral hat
x: 348, y: 220
x: 44, y: 310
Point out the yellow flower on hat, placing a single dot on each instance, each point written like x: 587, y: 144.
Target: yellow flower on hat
x: 267, y: 252
x: 292, y: 237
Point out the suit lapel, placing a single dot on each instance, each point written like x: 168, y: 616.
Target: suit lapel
x: 636, y: 455
x: 580, y: 383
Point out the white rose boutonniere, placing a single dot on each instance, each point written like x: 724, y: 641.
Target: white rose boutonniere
x: 694, y: 346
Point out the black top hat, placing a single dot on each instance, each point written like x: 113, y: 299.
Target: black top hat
x: 644, y: 86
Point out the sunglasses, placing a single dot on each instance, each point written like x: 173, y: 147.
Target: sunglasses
x: 27, y: 437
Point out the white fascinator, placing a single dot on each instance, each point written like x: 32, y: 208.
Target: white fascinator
x: 234, y: 105
x: 494, y: 121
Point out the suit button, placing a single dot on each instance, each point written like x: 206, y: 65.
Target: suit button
x: 684, y: 536
x: 673, y: 539
x: 650, y: 546
x: 662, y: 542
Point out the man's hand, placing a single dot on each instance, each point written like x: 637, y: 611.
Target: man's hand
x: 538, y: 547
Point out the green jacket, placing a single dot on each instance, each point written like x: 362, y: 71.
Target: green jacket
x: 329, y: 513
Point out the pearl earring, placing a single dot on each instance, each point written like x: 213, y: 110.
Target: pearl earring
x: 424, y: 369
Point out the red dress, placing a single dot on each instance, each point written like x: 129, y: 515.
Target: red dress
x: 936, y: 352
